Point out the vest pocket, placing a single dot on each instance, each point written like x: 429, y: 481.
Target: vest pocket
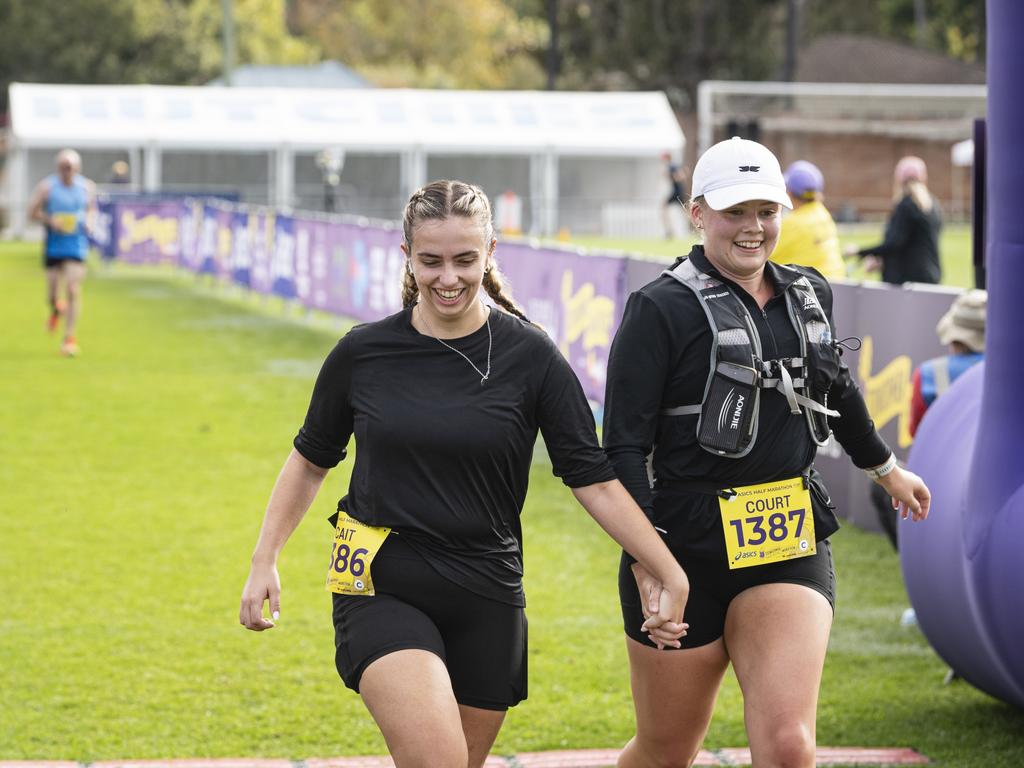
x: 825, y: 521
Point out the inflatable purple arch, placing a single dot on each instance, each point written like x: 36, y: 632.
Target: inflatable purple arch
x: 964, y: 567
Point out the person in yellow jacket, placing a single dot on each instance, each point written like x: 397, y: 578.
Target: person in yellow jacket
x: 809, y: 237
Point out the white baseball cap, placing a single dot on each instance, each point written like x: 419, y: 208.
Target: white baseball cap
x: 736, y: 170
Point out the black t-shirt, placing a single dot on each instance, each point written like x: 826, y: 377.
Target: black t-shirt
x: 442, y: 459
x: 660, y: 358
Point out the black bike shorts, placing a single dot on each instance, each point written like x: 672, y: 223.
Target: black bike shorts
x: 481, y: 641
x: 713, y: 586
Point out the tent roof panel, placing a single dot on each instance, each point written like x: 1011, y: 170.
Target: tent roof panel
x: 520, y: 122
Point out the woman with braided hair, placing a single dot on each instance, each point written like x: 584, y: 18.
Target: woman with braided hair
x: 445, y: 400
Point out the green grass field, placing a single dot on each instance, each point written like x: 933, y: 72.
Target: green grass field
x: 133, y: 483
x: 954, y: 249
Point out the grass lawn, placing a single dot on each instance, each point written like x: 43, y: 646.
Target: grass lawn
x: 954, y: 249
x: 133, y: 483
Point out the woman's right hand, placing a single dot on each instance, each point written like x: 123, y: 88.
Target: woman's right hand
x: 659, y: 602
x: 262, y: 585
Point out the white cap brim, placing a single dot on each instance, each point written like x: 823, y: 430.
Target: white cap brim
x: 720, y: 199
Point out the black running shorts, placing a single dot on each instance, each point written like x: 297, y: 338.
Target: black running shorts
x: 713, y: 586
x: 481, y: 641
x: 53, y: 262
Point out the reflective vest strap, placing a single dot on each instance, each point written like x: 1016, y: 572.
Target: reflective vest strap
x: 940, y: 370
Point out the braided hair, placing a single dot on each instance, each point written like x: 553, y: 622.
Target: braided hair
x: 439, y: 200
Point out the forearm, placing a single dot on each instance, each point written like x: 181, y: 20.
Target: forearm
x: 614, y: 510
x: 294, y: 491
x: 37, y: 212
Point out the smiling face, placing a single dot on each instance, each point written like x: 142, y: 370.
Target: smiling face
x: 739, y: 239
x: 448, y: 258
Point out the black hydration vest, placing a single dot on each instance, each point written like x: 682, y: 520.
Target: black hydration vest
x: 729, y: 411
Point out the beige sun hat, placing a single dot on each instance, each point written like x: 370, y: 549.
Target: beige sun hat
x: 965, y: 320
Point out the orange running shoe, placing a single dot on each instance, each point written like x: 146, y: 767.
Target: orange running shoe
x: 70, y: 347
x: 55, y: 313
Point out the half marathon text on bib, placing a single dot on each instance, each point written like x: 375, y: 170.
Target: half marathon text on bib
x: 355, y: 546
x: 768, y: 523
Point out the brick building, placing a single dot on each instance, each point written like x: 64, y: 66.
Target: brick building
x: 857, y: 117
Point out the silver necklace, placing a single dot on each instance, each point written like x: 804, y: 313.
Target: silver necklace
x: 487, y: 321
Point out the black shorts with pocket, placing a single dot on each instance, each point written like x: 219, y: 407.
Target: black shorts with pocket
x: 713, y: 586
x: 481, y: 641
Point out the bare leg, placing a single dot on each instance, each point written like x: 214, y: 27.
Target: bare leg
x: 480, y: 727
x: 74, y: 274
x: 52, y: 286
x: 674, y: 695
x: 410, y: 697
x: 53, y: 297
x: 777, y: 635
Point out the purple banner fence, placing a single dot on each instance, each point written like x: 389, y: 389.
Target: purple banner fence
x: 355, y: 270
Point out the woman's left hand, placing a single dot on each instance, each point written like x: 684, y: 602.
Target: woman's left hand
x: 909, y: 493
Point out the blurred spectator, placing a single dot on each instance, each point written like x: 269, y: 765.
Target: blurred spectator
x: 962, y: 330
x: 910, y: 251
x: 809, y: 237
x: 120, y: 173
x: 676, y: 195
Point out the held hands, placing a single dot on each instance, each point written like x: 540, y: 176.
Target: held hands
x: 662, y: 607
x: 909, y: 493
x: 263, y: 584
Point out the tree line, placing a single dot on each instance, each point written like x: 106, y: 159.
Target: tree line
x: 668, y: 45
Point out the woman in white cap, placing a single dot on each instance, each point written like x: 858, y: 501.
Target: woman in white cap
x: 726, y: 373
x: 910, y: 251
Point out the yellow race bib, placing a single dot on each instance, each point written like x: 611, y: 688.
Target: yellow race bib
x: 65, y: 223
x: 768, y: 523
x: 355, y: 546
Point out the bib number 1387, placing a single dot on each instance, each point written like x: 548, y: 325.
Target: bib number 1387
x: 768, y: 523
x: 756, y: 529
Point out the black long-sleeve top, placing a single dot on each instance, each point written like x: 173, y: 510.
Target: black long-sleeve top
x: 660, y: 358
x: 442, y: 459
x: 910, y: 250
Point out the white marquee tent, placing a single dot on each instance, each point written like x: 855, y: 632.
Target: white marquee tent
x: 585, y: 161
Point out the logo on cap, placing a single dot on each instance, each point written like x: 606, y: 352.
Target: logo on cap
x: 754, y: 168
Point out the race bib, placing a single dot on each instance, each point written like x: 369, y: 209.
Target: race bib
x: 355, y: 546
x: 768, y: 523
x: 66, y: 223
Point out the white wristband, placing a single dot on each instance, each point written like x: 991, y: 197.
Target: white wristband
x: 882, y: 470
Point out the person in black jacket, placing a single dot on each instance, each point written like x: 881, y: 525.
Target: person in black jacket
x: 910, y: 251
x: 445, y: 400
x: 725, y: 375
